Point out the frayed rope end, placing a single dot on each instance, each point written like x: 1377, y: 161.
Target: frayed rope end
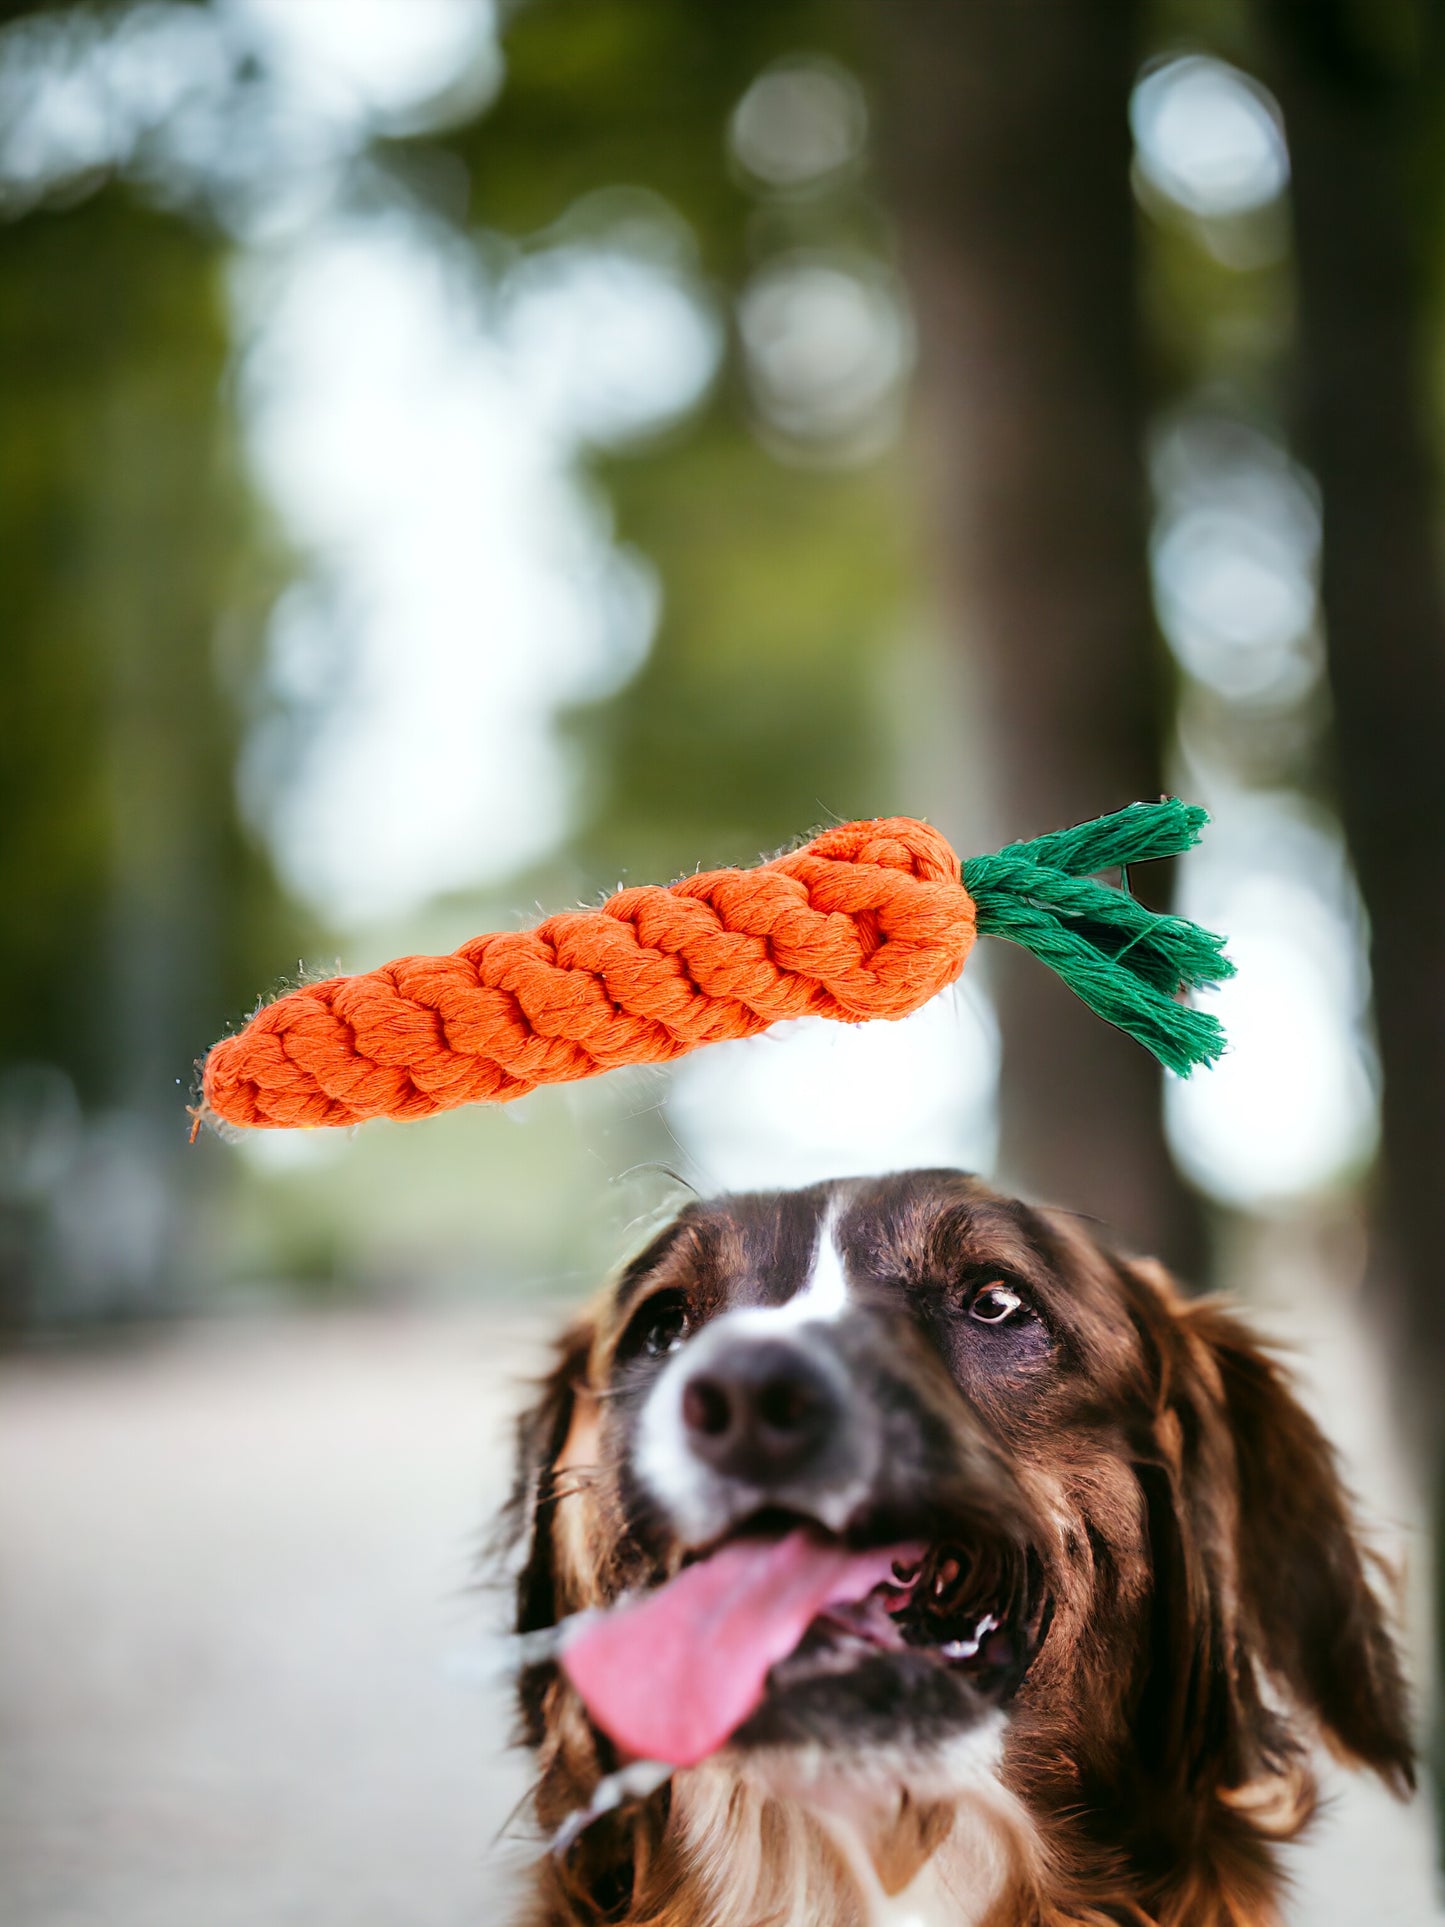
x: 1129, y: 964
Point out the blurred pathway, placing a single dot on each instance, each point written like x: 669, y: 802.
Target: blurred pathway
x: 237, y: 1630
x: 238, y: 1657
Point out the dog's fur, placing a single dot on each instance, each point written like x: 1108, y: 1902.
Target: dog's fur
x: 1198, y: 1604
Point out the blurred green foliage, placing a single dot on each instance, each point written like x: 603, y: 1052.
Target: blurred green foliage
x: 640, y: 92
x: 786, y: 589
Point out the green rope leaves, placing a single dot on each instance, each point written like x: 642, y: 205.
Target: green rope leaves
x: 1128, y: 964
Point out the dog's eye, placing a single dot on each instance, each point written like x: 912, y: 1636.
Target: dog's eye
x: 995, y: 1304
x: 659, y: 1329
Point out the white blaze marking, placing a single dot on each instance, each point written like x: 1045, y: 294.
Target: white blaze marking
x: 826, y: 1293
x: 825, y: 1296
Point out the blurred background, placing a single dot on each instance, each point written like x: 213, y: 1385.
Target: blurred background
x: 456, y: 457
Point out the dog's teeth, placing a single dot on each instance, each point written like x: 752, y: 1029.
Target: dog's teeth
x: 945, y: 1577
x: 959, y: 1648
x: 966, y: 1648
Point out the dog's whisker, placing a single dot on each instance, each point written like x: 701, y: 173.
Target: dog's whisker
x: 574, y: 1479
x: 636, y: 1781
x: 514, y: 1814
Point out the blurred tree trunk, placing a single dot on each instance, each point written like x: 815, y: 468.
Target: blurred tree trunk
x: 1364, y: 131
x: 1357, y: 137
x: 138, y: 919
x: 1008, y: 140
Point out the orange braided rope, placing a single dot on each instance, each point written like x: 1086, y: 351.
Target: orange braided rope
x: 867, y: 920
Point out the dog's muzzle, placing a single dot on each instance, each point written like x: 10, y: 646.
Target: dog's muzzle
x: 832, y: 1532
x: 749, y: 1417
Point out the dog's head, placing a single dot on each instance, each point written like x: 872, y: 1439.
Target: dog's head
x: 899, y: 1468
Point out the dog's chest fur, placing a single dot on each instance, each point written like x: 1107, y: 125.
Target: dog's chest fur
x: 810, y: 1843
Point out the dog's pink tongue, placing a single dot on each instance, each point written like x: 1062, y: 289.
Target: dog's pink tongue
x: 672, y: 1675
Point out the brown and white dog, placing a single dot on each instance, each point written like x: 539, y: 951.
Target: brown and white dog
x: 963, y: 1572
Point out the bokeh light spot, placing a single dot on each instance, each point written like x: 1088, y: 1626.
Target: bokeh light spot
x: 1208, y: 137
x: 828, y: 345
x: 802, y: 122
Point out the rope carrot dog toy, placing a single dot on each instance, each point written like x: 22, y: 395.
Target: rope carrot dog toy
x: 867, y: 920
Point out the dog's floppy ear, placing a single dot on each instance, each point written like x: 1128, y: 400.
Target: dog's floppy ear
x: 549, y: 1523
x: 1302, y: 1576
x: 543, y: 1432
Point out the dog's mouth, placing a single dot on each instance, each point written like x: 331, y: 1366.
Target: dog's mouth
x: 781, y: 1602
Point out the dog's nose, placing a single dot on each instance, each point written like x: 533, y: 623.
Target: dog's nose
x: 763, y: 1411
